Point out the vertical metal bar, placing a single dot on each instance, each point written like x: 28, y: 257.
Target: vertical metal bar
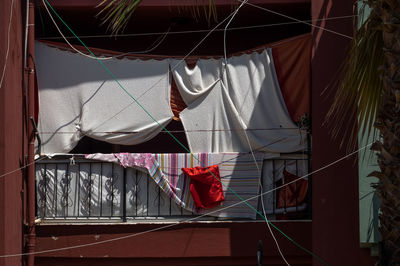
x: 101, y: 189
x: 147, y: 197
x: 36, y: 212
x: 112, y: 190
x: 296, y: 191
x: 45, y: 190
x: 274, y: 186
x: 90, y: 188
x: 285, y: 187
x: 67, y: 183
x: 79, y: 185
x: 136, y: 192
x: 124, y: 196
x: 261, y: 195
x: 309, y: 194
x: 53, y: 204
x: 56, y: 189
x: 159, y: 202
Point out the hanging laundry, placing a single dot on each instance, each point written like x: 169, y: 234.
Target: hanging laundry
x: 143, y: 161
x: 195, y: 82
x: 293, y: 194
x: 238, y: 171
x: 245, y: 97
x: 205, y: 186
x: 77, y: 98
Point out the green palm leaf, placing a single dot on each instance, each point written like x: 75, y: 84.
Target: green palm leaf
x: 359, y: 93
x: 117, y: 13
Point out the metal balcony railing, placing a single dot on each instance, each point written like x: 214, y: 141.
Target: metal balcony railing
x: 91, y: 190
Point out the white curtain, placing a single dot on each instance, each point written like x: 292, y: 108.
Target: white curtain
x: 194, y: 83
x: 77, y: 98
x: 231, y: 107
x: 243, y: 108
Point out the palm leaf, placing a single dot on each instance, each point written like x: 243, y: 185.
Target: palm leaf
x: 359, y: 93
x: 117, y: 13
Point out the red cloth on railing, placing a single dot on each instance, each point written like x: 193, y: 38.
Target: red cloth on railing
x: 205, y: 186
x: 289, y: 193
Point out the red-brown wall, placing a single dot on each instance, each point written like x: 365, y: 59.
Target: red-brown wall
x: 335, y: 190
x: 11, y: 134
x: 220, y: 243
x: 335, y: 232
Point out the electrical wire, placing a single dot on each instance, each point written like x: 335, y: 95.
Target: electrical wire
x: 151, y: 87
x: 153, y: 46
x: 21, y: 168
x: 190, y: 219
x: 199, y: 31
x: 66, y: 40
x: 248, y: 141
x: 295, y: 19
x: 169, y: 70
x: 182, y: 145
x: 227, y: 25
x: 8, y: 44
x: 209, y: 32
x: 262, y: 201
x: 44, y: 157
x: 153, y: 118
x: 139, y: 104
x: 176, y: 131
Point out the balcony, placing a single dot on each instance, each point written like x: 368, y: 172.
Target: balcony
x: 74, y: 189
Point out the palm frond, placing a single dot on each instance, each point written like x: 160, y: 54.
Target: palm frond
x: 117, y: 13
x: 359, y: 93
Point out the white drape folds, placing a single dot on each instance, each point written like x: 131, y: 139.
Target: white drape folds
x: 77, y: 98
x: 247, y: 100
x: 231, y: 107
x: 194, y: 83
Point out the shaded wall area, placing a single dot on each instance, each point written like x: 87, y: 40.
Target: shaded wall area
x: 11, y: 133
x: 335, y: 230
x: 219, y: 243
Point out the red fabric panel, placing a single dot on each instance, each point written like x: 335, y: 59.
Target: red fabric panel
x: 205, y: 188
x: 176, y: 102
x: 287, y: 195
x: 292, y: 63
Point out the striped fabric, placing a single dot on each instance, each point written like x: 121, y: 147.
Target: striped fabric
x: 239, y: 176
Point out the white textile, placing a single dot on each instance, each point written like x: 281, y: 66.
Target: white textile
x: 77, y: 98
x: 248, y: 97
x: 193, y: 83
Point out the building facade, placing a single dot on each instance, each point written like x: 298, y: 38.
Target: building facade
x: 331, y: 233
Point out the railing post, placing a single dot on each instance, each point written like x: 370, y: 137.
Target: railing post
x: 309, y: 196
x: 124, y: 197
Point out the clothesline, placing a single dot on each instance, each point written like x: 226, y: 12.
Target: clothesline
x: 241, y: 154
x: 300, y: 21
x: 144, y: 109
x: 196, y: 31
x: 174, y: 131
x: 91, y: 92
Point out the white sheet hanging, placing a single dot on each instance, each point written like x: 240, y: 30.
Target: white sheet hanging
x: 193, y: 83
x: 248, y: 97
x: 78, y: 97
